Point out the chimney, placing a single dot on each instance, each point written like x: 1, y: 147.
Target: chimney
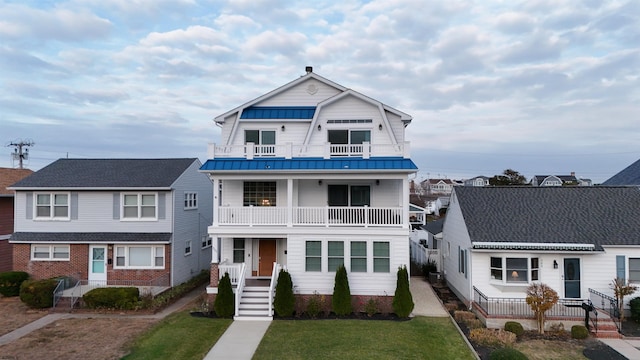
x: 308, y: 69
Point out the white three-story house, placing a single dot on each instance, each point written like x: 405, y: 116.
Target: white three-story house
x: 310, y: 176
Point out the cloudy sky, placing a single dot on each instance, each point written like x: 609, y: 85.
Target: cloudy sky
x: 539, y: 86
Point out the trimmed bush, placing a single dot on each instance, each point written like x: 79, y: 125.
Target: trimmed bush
x: 10, y: 282
x: 507, y: 354
x: 121, y: 298
x: 225, y: 304
x: 579, y: 332
x: 341, y: 300
x: 284, y: 302
x: 634, y: 304
x: 38, y: 294
x: 514, y: 327
x: 402, y: 299
x: 492, y: 338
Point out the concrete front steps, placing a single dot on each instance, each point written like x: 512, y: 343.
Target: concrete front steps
x: 254, y: 304
x: 607, y: 329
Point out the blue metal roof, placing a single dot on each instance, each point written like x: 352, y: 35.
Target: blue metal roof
x: 347, y: 164
x: 278, y: 112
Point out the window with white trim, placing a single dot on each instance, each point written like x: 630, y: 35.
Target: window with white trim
x: 40, y: 252
x: 381, y: 258
x: 515, y: 270
x: 358, y: 256
x: 335, y: 254
x: 140, y: 206
x: 187, y: 247
x: 52, y: 206
x: 139, y: 257
x: 238, y: 251
x: 206, y: 242
x: 634, y: 269
x: 313, y: 256
x: 462, y: 261
x: 190, y: 200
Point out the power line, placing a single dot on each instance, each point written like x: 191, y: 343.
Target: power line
x: 18, y: 153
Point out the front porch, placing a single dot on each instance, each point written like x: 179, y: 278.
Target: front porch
x: 595, y: 313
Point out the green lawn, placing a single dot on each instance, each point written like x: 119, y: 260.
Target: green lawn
x: 179, y: 336
x: 419, y: 338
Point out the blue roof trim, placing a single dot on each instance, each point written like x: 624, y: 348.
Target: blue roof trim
x: 351, y: 163
x: 278, y: 112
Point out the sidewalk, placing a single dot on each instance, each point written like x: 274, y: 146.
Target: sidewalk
x: 426, y: 302
x: 240, y: 341
x: 626, y: 347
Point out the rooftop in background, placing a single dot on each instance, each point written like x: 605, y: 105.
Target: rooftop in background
x: 9, y: 176
x: 630, y: 176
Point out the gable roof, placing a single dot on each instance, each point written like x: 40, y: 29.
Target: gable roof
x: 9, y: 176
x: 551, y: 215
x: 628, y: 176
x: 434, y: 227
x: 107, y: 173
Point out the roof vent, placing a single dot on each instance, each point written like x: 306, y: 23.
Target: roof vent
x: 308, y: 69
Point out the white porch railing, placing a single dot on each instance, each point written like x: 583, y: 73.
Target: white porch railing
x: 272, y: 285
x: 239, y: 288
x: 233, y: 270
x: 289, y: 150
x: 311, y: 216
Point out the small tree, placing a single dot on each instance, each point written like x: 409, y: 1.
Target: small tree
x: 224, y: 304
x: 620, y: 290
x: 541, y: 298
x: 402, y: 299
x: 341, y: 300
x: 284, y: 303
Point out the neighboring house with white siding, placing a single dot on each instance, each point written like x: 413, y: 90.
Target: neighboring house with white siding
x: 310, y: 176
x: 499, y: 240
x: 114, y: 221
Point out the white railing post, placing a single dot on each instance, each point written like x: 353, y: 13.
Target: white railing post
x: 239, y: 289
x: 366, y: 150
x: 272, y: 285
x: 249, y: 150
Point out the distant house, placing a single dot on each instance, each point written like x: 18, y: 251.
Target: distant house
x: 477, y: 181
x: 559, y: 180
x: 499, y: 240
x: 8, y: 176
x: 114, y: 221
x: 629, y: 176
x: 438, y: 186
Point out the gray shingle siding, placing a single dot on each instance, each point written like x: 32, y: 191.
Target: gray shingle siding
x: 557, y: 215
x: 107, y: 173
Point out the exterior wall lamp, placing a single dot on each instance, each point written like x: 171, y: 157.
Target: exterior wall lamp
x: 319, y: 127
x: 380, y: 127
x: 319, y: 182
x: 282, y: 128
x: 555, y: 264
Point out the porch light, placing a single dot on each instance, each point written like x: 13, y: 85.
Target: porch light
x: 282, y: 128
x: 380, y: 127
x: 555, y: 264
x: 319, y: 182
x: 377, y: 182
x: 319, y: 127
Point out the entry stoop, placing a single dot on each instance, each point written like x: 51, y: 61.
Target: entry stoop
x: 254, y: 304
x: 607, y: 329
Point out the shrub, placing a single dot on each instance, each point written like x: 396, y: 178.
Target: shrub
x: 38, y: 294
x: 462, y: 316
x: 514, y: 327
x: 148, y: 301
x: 579, y: 332
x: 123, y: 298
x: 284, y: 302
x: 492, y: 338
x: 315, y: 304
x: 224, y: 304
x: 402, y: 299
x: 541, y: 297
x: 341, y: 300
x: 634, y: 304
x: 10, y: 282
x: 429, y: 267
x: 371, y: 307
x: 557, y: 328
x: 507, y: 354
x: 474, y: 324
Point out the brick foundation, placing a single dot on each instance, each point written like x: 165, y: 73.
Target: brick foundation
x: 384, y: 304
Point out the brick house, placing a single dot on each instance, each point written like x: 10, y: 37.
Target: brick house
x: 8, y: 176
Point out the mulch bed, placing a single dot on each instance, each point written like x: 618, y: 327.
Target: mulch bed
x: 594, y: 349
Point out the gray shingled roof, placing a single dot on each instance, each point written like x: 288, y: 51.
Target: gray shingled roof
x: 434, y: 227
x: 556, y: 215
x: 107, y: 173
x: 629, y: 176
x: 101, y: 237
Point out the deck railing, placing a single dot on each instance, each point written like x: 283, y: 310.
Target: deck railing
x: 328, y: 216
x: 607, y: 304
x: 232, y: 269
x: 239, y: 288
x: 272, y: 285
x: 289, y: 150
x: 518, y: 307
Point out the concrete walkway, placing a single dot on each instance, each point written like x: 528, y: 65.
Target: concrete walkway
x: 240, y: 341
x: 626, y: 347
x: 426, y: 302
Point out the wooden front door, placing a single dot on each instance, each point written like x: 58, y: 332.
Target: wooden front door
x: 267, y: 257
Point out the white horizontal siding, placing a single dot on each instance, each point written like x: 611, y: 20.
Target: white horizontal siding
x: 299, y: 96
x: 456, y: 235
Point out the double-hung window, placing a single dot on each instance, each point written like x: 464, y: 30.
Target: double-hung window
x: 634, y: 269
x: 358, y: 256
x: 190, y: 200
x: 41, y: 252
x: 187, y: 247
x: 139, y: 257
x: 52, y: 206
x: 313, y: 256
x: 335, y: 254
x: 381, y: 257
x: 142, y: 206
x: 238, y: 251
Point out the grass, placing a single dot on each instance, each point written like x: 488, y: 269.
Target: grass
x: 545, y: 349
x: 179, y: 336
x: 419, y: 338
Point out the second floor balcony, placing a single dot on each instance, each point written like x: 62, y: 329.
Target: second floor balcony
x: 326, y: 151
x: 327, y: 216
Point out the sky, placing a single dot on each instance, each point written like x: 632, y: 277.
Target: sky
x: 538, y: 86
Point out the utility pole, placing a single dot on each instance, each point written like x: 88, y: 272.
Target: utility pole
x: 18, y: 152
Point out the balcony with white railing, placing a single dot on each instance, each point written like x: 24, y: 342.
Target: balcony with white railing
x: 289, y: 150
x: 328, y: 216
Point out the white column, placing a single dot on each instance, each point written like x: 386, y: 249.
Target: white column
x: 216, y: 200
x: 405, y: 202
x: 289, y: 202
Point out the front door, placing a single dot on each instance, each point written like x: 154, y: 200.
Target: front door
x: 97, y: 264
x: 572, y: 278
x: 266, y: 257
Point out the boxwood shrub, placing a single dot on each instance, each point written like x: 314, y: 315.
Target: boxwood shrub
x: 514, y: 327
x: 579, y: 332
x: 10, y: 282
x: 122, y: 298
x: 507, y: 354
x: 38, y: 294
